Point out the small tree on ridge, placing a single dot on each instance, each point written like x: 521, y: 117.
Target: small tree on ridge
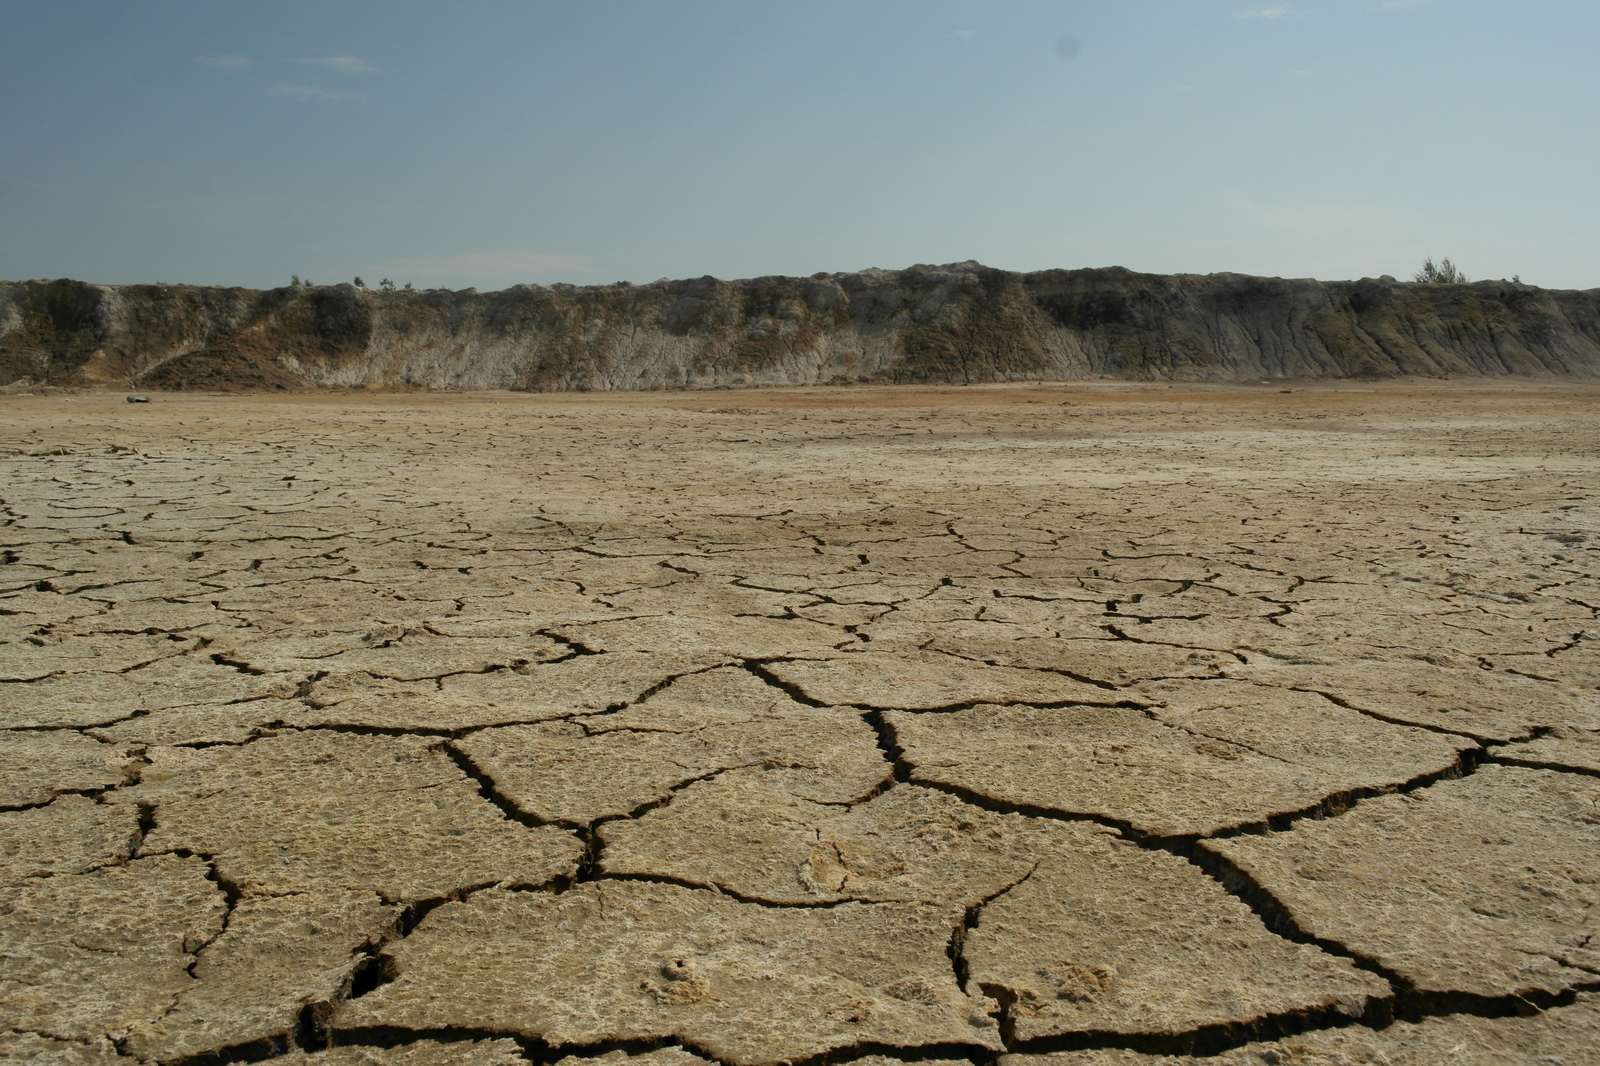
x: 1445, y: 273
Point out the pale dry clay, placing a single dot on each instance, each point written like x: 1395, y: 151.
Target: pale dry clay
x: 315, y: 810
x: 699, y: 726
x: 940, y: 723
x: 1210, y: 756
x: 72, y: 835
x: 1567, y: 1035
x: 743, y: 981
x: 1517, y: 919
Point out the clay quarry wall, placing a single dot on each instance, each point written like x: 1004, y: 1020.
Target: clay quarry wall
x: 927, y: 324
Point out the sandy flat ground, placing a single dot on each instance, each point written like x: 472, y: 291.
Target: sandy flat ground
x: 1101, y: 723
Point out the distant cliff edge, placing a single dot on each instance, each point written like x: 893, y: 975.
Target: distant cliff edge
x: 928, y: 324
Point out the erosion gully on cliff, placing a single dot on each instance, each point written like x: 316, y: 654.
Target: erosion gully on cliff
x: 957, y: 323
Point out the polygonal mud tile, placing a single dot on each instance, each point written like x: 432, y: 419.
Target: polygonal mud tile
x: 709, y: 598
x: 1485, y: 885
x: 849, y: 589
x: 70, y: 836
x: 667, y: 1056
x: 543, y: 605
x: 35, y: 767
x: 1116, y: 662
x: 1114, y: 938
x: 726, y: 695
x: 321, y: 810
x: 99, y: 699
x: 165, y: 615
x: 277, y: 956
x: 228, y: 723
x: 31, y: 610
x: 1563, y: 1035
x: 1559, y: 748
x: 420, y: 1053
x: 752, y: 985
x: 415, y: 657
x: 157, y: 590
x: 606, y: 766
x: 927, y: 681
x: 47, y: 1051
x: 748, y: 832
x: 496, y: 627
x: 1217, y: 635
x: 587, y: 684
x: 1361, y: 633
x: 1034, y: 620
x: 319, y: 604
x: 106, y: 652
x: 1486, y: 704
x: 739, y: 638
x: 1301, y: 727
x: 89, y: 954
x: 405, y: 654
x: 960, y: 564
x: 1217, y: 755
x: 1578, y: 666
x: 841, y: 614
x: 901, y: 633
x: 1174, y: 568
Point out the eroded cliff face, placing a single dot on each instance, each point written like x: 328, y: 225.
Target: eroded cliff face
x: 956, y: 323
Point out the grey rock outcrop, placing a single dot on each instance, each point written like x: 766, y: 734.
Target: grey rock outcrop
x: 958, y: 323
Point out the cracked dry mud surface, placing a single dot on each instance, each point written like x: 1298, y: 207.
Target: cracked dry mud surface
x: 1110, y: 725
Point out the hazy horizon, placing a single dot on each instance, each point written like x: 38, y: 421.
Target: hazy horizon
x: 368, y: 283
x: 492, y: 143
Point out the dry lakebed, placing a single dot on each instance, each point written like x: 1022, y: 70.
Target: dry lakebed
x: 1102, y: 724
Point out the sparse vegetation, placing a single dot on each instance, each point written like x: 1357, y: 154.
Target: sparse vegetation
x: 1442, y: 273
x: 387, y: 286
x: 359, y: 283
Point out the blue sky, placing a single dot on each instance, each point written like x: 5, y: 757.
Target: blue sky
x: 486, y: 143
